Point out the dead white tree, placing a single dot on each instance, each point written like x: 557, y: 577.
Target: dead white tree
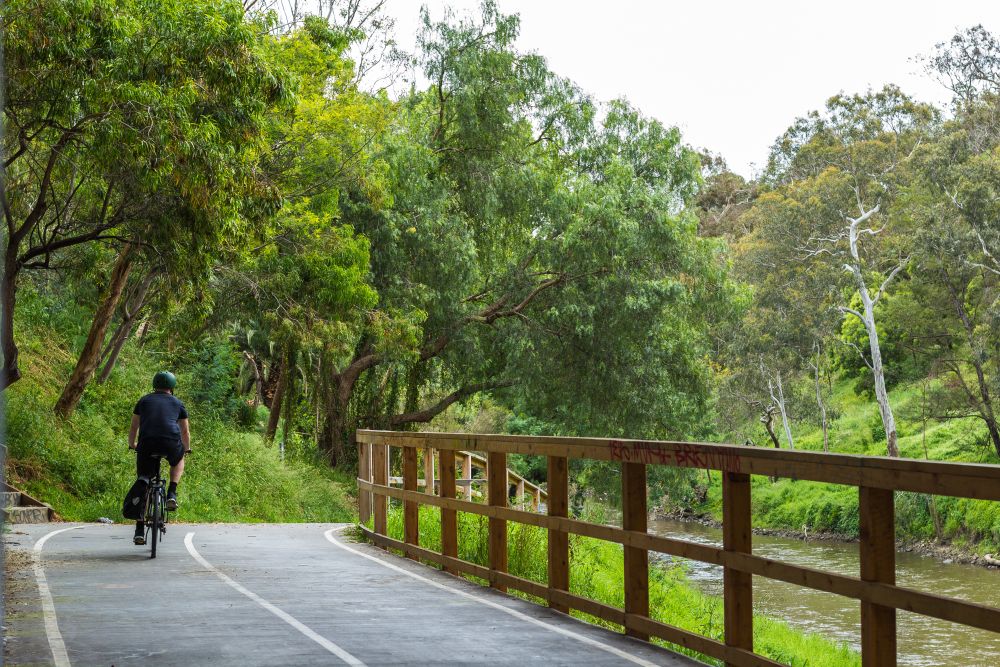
x: 855, y: 265
x: 778, y: 399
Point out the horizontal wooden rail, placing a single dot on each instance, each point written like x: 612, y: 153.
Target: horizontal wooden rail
x: 899, y: 597
x: 964, y: 480
x: 524, y: 488
x: 875, y: 589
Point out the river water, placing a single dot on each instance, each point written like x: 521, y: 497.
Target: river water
x: 921, y: 640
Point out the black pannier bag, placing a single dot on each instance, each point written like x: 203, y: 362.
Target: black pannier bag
x: 132, y: 507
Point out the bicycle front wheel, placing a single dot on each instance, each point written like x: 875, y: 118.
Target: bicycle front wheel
x: 157, y: 520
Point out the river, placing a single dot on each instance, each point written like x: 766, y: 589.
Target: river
x: 921, y: 640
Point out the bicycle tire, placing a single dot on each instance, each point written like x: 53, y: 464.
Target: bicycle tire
x: 157, y: 519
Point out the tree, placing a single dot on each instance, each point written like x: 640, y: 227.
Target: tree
x: 526, y: 248
x: 968, y: 65
x: 116, y: 125
x: 850, y: 159
x: 954, y: 199
x: 298, y: 295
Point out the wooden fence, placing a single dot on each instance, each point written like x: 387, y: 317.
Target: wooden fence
x: 876, y: 478
x: 524, y: 491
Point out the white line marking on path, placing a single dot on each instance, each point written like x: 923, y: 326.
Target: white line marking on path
x: 286, y: 617
x: 489, y: 603
x: 59, y: 656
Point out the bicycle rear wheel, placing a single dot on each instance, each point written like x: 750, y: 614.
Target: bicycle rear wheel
x: 157, y: 520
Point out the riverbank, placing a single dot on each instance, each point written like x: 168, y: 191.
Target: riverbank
x: 922, y: 641
x: 956, y: 529
x: 946, y: 553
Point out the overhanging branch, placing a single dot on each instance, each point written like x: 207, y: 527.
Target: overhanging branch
x: 427, y: 414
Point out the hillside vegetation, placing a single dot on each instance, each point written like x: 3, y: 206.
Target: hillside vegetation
x: 82, y: 466
x: 808, y: 507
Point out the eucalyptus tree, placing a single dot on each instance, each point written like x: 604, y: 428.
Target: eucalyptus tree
x: 789, y: 320
x: 837, y: 175
x: 954, y: 199
x: 968, y: 64
x: 126, y: 122
x: 529, y: 251
x: 300, y: 289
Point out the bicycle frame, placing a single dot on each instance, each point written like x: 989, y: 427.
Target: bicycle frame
x: 155, y: 509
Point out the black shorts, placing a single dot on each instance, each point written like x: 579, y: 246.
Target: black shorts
x: 146, y: 465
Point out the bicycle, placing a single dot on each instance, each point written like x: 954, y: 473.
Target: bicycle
x: 155, y: 508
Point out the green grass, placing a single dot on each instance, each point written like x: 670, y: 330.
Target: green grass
x: 82, y: 466
x: 597, y: 572
x: 797, y: 505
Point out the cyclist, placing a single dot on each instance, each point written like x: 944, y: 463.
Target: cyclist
x: 161, y: 422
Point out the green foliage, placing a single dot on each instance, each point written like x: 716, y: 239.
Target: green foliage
x: 82, y: 466
x: 796, y: 505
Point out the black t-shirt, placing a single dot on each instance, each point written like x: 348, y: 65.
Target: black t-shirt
x: 158, y: 414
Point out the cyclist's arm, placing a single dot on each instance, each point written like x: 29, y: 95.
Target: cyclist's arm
x: 133, y: 431
x: 185, y: 434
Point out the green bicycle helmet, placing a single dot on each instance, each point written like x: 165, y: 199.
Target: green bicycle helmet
x: 164, y: 380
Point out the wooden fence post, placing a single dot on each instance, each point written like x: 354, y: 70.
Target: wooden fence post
x: 634, y: 517
x: 364, y: 473
x: 449, y: 518
x: 380, y: 472
x: 429, y: 470
x: 496, y: 473
x: 411, y: 509
x: 878, y: 563
x: 467, y: 474
x: 737, y: 536
x: 558, y: 505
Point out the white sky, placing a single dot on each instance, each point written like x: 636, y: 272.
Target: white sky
x: 732, y: 75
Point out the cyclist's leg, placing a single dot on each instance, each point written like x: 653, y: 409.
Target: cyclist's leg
x: 175, y: 457
x: 176, y: 471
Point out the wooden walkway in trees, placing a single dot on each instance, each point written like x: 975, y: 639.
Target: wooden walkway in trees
x: 876, y: 478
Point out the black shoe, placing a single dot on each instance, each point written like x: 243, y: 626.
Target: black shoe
x: 171, y: 502
x: 139, y: 539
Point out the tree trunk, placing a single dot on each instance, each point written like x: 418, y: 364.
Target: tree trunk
x: 144, y: 330
x: 784, y: 414
x: 275, y: 407
x: 984, y: 404
x: 90, y: 356
x: 767, y: 419
x: 125, y: 327
x: 258, y: 382
x: 881, y: 394
x: 335, y: 420
x: 819, y: 401
x: 868, y: 319
x: 878, y: 373
x: 10, y: 373
x: 288, y: 392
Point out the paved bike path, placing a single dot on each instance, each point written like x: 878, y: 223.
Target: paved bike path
x: 273, y: 594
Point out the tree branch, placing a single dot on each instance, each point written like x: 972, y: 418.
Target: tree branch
x: 885, y: 283
x: 427, y: 414
x: 349, y: 377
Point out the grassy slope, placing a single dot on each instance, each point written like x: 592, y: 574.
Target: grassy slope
x: 793, y: 505
x: 82, y: 467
